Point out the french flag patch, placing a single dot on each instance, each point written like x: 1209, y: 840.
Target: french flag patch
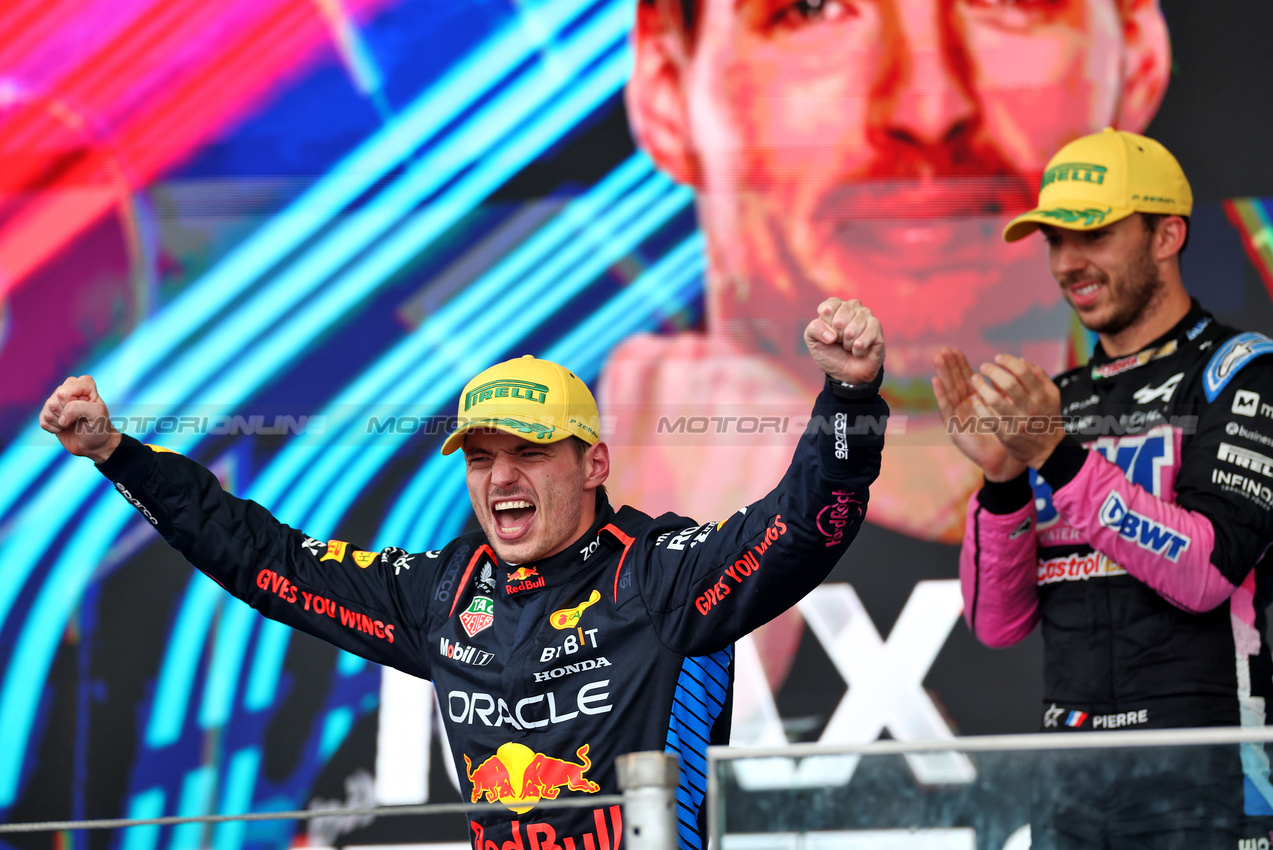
x: 1076, y: 718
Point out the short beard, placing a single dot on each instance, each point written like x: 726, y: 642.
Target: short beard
x: 1144, y: 288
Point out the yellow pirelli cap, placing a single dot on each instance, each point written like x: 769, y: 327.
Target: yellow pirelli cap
x: 537, y: 400
x: 1104, y: 177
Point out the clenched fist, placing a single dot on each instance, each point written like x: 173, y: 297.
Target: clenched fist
x: 78, y: 416
x: 846, y: 341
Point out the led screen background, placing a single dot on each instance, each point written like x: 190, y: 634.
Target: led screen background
x: 281, y: 234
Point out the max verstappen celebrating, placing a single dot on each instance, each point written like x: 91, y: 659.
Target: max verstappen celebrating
x: 565, y: 632
x: 1141, y: 546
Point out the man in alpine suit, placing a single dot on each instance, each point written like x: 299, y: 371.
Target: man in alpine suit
x: 1127, y: 506
x: 565, y: 632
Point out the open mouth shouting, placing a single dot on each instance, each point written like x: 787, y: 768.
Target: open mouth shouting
x: 513, y: 517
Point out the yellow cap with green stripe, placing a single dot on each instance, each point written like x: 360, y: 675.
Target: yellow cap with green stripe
x: 537, y: 400
x: 1102, y: 178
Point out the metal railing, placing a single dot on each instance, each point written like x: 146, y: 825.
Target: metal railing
x: 988, y: 792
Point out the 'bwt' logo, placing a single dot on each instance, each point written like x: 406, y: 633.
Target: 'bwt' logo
x: 1141, y: 530
x: 519, y: 777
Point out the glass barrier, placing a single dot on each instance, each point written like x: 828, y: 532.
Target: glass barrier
x: 1188, y: 789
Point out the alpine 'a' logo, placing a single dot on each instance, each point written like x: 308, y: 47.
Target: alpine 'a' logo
x: 1146, y: 394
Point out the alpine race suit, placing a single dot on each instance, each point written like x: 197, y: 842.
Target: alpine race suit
x: 547, y: 671
x: 1140, y: 545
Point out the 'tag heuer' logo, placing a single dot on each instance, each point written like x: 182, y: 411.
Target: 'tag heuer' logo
x: 568, y: 618
x: 479, y: 615
x: 519, y: 777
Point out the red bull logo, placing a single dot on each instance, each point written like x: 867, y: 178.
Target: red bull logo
x: 519, y: 777
x: 523, y: 578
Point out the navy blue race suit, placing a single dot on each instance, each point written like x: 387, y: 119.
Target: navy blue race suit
x: 547, y: 671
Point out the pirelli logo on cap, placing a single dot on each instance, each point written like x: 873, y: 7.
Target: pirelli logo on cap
x: 1085, y: 172
x: 524, y: 390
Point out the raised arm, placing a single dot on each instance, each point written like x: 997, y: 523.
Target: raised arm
x: 364, y: 602
x: 707, y: 585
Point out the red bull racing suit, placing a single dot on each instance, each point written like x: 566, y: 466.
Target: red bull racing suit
x: 1140, y: 544
x: 546, y: 672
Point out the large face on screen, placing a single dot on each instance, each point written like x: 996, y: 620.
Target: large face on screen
x: 876, y: 148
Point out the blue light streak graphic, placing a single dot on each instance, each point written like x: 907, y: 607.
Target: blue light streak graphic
x: 348, y: 664
x: 200, y: 304
x: 238, y: 353
x: 335, y: 728
x: 237, y: 797
x: 267, y: 661
x: 237, y: 622
x: 179, y: 667
x: 604, y: 31
x: 31, y: 661
x: 144, y: 806
x: 432, y: 508
x: 198, y: 791
x: 661, y: 291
